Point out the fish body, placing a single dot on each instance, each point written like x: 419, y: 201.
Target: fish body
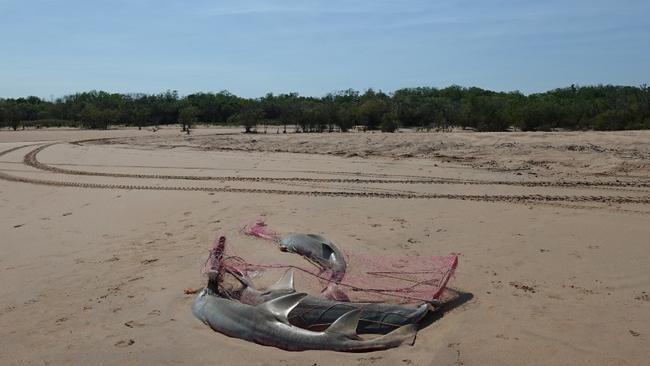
x: 279, y: 316
x: 314, y: 312
x: 268, y: 324
x: 318, y: 249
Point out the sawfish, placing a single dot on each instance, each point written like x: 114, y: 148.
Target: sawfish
x: 281, y: 317
x: 313, y: 312
x: 318, y: 249
x: 268, y: 324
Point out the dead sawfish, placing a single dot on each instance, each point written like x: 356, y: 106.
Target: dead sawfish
x: 268, y: 324
x: 318, y: 249
x: 313, y: 312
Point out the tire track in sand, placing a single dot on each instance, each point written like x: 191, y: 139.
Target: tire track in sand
x: 31, y: 159
x: 482, y: 198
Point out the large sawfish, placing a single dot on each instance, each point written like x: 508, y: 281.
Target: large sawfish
x: 268, y: 324
x: 313, y: 312
x: 279, y: 316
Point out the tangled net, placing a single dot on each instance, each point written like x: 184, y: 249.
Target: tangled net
x: 370, y: 278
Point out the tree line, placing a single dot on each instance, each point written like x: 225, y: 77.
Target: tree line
x: 599, y: 107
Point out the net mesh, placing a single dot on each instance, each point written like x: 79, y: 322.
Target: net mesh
x: 369, y: 278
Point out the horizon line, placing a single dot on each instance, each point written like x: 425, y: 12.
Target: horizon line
x: 52, y: 97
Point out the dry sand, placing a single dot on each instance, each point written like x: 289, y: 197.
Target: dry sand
x: 100, y: 238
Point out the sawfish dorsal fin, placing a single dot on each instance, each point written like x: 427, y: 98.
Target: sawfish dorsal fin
x: 284, y: 283
x: 281, y: 306
x: 346, y: 324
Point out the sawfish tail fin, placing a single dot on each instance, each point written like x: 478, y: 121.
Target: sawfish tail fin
x: 403, y: 335
x: 346, y: 326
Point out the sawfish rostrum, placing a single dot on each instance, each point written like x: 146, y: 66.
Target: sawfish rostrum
x: 268, y: 324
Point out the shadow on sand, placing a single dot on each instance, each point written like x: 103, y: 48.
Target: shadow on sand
x: 457, y: 299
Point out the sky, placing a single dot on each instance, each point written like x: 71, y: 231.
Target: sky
x: 51, y: 48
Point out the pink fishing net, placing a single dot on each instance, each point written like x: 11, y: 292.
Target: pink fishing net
x: 369, y: 277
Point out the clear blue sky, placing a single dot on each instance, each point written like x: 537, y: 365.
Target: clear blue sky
x: 314, y: 47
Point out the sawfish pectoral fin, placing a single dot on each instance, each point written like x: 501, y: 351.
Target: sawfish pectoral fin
x: 280, y: 307
x: 346, y: 324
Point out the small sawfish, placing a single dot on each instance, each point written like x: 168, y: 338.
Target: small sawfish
x: 318, y: 249
x: 268, y: 324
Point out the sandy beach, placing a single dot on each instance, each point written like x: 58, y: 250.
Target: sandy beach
x: 103, y: 230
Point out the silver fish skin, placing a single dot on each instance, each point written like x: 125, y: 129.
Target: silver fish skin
x: 376, y: 318
x: 267, y: 324
x: 319, y: 249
